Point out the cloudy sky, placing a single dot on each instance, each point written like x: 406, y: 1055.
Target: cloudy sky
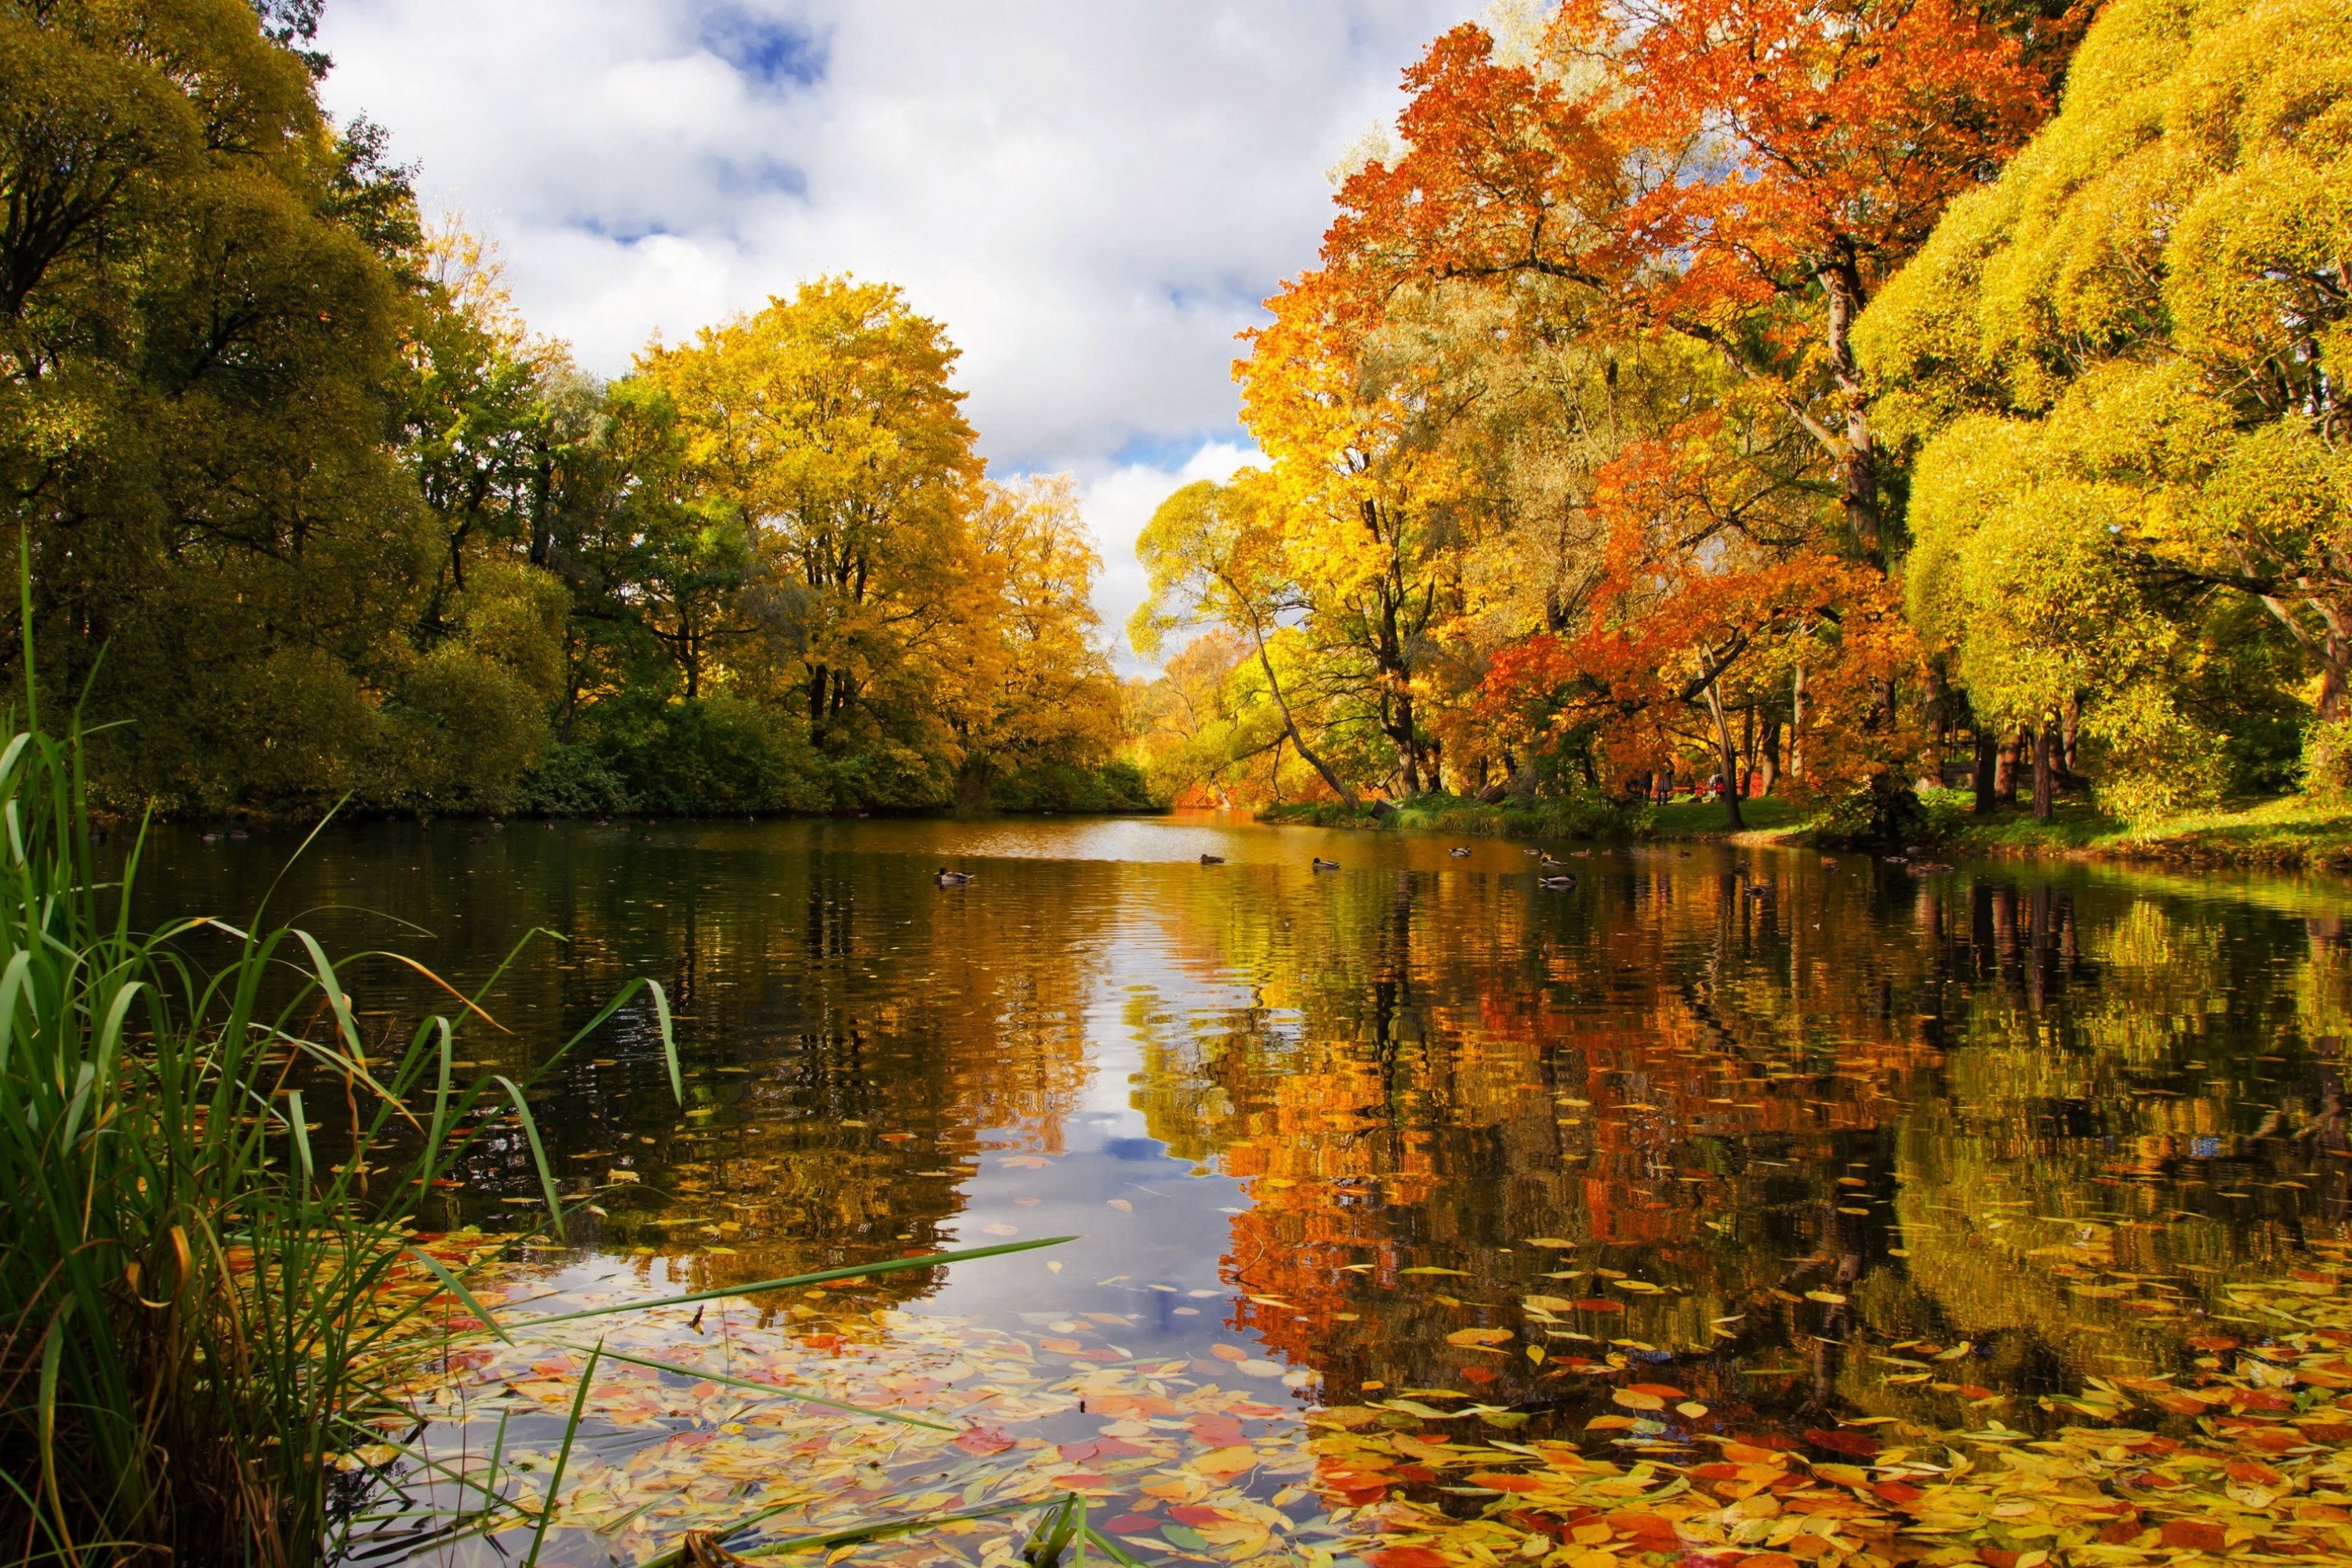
x: 1094, y: 195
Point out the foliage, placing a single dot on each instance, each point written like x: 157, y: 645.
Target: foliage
x: 199, y: 1302
x: 318, y: 515
x: 2115, y: 364
x: 2327, y: 759
x: 1570, y: 456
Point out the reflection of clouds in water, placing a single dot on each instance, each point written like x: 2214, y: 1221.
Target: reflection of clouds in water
x: 1912, y: 1094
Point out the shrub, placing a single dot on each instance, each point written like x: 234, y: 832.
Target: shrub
x: 574, y: 781
x: 1883, y: 812
x: 2153, y: 760
x: 717, y: 756
x: 2327, y: 758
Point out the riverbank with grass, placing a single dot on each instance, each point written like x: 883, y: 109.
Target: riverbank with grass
x: 2288, y: 832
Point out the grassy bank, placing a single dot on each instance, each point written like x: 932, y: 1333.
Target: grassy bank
x: 1680, y: 819
x: 2289, y: 832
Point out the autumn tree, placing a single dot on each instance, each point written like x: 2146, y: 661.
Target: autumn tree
x: 1039, y: 703
x: 828, y: 420
x: 2122, y: 362
x: 1789, y: 156
x: 202, y: 306
x: 1215, y: 555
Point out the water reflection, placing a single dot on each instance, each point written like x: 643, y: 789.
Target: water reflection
x: 1794, y: 1127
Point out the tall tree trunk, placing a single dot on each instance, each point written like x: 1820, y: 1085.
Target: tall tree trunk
x: 2069, y: 717
x: 1857, y: 462
x: 1988, y: 761
x: 1747, y: 748
x: 1730, y: 757
x: 1290, y: 725
x: 1797, y: 723
x: 2013, y: 749
x: 2045, y: 768
x: 1767, y: 752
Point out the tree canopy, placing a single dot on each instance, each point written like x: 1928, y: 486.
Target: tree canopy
x: 315, y: 514
x: 1826, y: 397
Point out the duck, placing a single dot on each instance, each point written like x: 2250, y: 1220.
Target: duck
x: 1460, y: 851
x: 1556, y: 884
x: 1830, y: 862
x: 1320, y: 864
x: 1213, y: 860
x: 1551, y: 860
x: 1530, y: 851
x: 947, y: 879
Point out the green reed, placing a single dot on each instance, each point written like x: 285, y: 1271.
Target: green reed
x: 203, y: 1310
x: 197, y: 1306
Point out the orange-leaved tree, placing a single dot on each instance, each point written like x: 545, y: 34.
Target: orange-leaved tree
x: 1788, y: 156
x: 1715, y: 601
x: 1374, y: 510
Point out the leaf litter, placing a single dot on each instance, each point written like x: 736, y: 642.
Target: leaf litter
x: 704, y: 1417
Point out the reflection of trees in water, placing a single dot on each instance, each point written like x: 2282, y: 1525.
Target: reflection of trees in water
x: 812, y: 991
x: 1750, y: 1094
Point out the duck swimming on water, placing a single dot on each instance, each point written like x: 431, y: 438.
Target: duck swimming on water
x: 1213, y: 860
x: 1322, y: 865
x: 1460, y: 851
x: 947, y: 879
x: 1556, y: 884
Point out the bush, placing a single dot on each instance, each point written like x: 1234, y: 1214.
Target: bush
x: 1881, y: 813
x: 1067, y: 786
x: 2327, y: 759
x: 717, y: 755
x: 2154, y: 760
x: 460, y: 735
x: 574, y: 781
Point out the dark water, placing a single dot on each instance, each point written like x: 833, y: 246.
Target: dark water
x: 1825, y: 1110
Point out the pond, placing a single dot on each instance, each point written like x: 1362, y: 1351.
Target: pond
x: 1718, y: 1142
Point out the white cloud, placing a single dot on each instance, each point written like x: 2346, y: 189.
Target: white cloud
x: 1094, y: 195
x: 1119, y: 503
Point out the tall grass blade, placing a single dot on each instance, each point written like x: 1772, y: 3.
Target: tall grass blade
x: 562, y: 1458
x: 795, y: 1281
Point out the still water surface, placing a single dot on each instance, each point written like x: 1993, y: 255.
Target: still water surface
x: 1757, y: 1119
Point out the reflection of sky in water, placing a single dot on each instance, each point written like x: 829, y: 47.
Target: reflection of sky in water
x: 1827, y: 1103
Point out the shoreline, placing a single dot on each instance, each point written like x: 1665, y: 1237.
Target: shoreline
x: 2292, y: 833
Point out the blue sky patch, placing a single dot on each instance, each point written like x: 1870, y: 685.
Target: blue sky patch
x: 771, y: 52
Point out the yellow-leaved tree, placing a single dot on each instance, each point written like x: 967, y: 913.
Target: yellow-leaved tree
x: 2124, y: 364
x: 827, y: 422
